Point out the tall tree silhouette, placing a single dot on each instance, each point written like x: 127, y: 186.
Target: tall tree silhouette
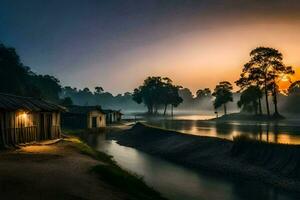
x: 222, y: 94
x: 265, y: 66
x: 251, y: 77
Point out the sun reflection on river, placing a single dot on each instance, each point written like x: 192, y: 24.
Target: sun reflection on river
x: 270, y: 132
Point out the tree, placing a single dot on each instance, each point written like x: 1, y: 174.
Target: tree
x: 98, y: 90
x: 266, y: 66
x: 48, y: 86
x: 156, y: 92
x: 13, y: 75
x: 251, y: 77
x: 171, y: 97
x: 203, y: 93
x: 278, y: 70
x: 67, y: 101
x: 149, y: 93
x: 222, y: 94
x: 249, y: 99
x: 15, y: 78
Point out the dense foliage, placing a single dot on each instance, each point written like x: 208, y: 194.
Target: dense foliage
x: 15, y: 78
x: 249, y: 100
x: 157, y: 92
x: 100, y: 97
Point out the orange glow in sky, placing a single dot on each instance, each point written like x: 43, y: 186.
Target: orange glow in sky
x: 202, y: 58
x: 285, y: 82
x: 195, y: 43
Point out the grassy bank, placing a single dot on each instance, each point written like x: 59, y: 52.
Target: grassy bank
x: 276, y: 164
x: 282, y: 159
x: 111, y: 173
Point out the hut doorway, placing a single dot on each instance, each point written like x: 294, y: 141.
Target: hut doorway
x: 46, y: 121
x: 94, y: 122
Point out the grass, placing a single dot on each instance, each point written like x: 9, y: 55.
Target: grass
x: 110, y: 172
x: 87, y: 150
x: 127, y: 182
x: 73, y: 132
x: 281, y: 159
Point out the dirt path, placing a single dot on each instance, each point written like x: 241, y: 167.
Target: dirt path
x: 56, y: 171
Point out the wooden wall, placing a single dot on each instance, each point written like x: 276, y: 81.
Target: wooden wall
x: 100, y: 119
x: 23, y: 127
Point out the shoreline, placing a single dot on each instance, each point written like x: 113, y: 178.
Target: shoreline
x: 216, y: 155
x: 249, y: 117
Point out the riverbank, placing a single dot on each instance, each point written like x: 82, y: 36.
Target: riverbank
x: 68, y: 169
x: 275, y: 164
x: 248, y: 117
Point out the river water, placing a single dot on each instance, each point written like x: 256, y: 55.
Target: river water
x: 285, y: 131
x: 180, y: 183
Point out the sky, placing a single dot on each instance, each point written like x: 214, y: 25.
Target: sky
x: 116, y: 44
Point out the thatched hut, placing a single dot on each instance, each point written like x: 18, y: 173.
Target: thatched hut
x: 25, y: 119
x: 84, y: 117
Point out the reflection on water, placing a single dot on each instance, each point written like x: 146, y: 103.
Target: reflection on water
x: 280, y: 132
x: 193, y: 117
x: 179, y: 183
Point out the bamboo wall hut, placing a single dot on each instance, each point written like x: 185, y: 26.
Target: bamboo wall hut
x: 25, y: 119
x: 84, y: 117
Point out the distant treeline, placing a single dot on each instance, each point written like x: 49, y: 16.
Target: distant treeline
x: 100, y: 97
x: 17, y: 78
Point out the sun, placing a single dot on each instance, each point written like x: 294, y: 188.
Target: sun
x: 284, y: 81
x: 284, y: 78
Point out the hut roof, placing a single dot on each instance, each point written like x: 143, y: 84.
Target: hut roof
x: 107, y: 111
x: 75, y: 109
x: 12, y: 103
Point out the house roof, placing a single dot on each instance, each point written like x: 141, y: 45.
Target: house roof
x: 75, y: 109
x: 107, y: 111
x: 12, y: 103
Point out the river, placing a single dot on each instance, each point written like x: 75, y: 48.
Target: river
x: 180, y: 183
x: 285, y: 131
